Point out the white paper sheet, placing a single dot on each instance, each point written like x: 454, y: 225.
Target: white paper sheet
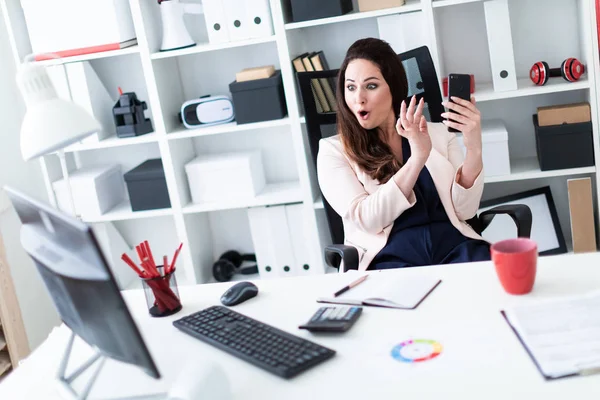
x: 562, y: 335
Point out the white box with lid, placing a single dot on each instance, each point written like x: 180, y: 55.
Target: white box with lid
x: 96, y: 190
x: 72, y: 27
x: 496, y: 159
x: 226, y: 176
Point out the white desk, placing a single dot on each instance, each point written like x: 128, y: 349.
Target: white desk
x: 481, y: 358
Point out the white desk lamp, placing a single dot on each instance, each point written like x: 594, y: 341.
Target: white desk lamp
x: 50, y: 123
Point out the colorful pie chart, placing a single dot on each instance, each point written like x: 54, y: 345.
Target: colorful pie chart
x: 416, y: 350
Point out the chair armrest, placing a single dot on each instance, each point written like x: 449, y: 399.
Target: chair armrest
x: 520, y: 213
x: 336, y: 253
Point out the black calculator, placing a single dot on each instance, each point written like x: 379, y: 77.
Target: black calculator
x: 333, y: 319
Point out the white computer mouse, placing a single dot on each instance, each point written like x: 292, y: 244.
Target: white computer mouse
x: 201, y: 380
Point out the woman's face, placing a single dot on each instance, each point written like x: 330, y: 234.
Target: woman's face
x: 367, y: 94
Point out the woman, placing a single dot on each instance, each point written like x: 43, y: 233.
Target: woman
x: 400, y: 184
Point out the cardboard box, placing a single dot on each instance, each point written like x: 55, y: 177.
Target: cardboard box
x: 564, y: 114
x: 581, y: 210
x: 251, y: 74
x: 371, y: 5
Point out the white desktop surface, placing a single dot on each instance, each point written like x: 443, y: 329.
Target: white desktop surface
x: 481, y: 358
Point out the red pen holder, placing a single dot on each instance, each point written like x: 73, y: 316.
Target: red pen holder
x: 162, y: 295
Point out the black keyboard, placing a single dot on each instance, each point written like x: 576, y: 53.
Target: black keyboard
x: 260, y: 344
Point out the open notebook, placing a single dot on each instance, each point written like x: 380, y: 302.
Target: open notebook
x: 386, y: 290
x: 562, y: 336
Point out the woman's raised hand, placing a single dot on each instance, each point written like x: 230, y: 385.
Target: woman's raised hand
x: 413, y: 126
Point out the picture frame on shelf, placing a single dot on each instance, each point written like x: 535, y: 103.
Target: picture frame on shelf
x: 545, y: 227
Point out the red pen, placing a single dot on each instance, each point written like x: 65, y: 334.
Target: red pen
x: 130, y: 262
x: 172, y: 267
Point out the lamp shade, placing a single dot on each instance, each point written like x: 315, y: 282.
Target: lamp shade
x: 50, y: 123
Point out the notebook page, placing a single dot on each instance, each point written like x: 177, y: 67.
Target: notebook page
x: 562, y: 335
x: 404, y: 292
x: 384, y: 290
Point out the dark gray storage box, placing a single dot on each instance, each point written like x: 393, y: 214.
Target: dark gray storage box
x: 147, y: 186
x: 564, y: 146
x: 304, y: 10
x: 258, y: 100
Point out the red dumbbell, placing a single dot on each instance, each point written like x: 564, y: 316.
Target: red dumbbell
x: 571, y: 70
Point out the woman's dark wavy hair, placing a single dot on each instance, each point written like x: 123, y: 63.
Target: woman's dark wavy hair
x: 365, y: 147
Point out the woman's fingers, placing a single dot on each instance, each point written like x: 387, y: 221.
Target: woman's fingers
x: 461, y: 110
x: 403, y: 110
x: 423, y: 124
x: 410, y: 112
x: 455, y: 125
x: 467, y: 104
x: 419, y: 112
x: 456, y: 117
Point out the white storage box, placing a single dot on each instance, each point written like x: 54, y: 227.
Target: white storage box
x: 496, y: 160
x: 95, y: 190
x: 73, y: 27
x: 226, y: 176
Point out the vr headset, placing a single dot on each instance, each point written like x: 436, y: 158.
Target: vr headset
x: 207, y: 110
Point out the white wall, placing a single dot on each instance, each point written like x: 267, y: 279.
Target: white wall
x: 39, y: 314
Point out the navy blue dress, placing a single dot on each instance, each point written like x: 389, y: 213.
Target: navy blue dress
x: 423, y: 234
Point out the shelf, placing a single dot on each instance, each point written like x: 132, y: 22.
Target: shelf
x: 485, y: 91
x: 4, y: 362
x: 274, y: 194
x: 123, y: 212
x: 113, y: 141
x: 411, y: 5
x: 529, y: 168
x: 446, y: 3
x: 92, y: 56
x: 226, y: 128
x: 202, y: 48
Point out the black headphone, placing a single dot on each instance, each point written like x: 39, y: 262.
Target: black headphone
x: 229, y: 264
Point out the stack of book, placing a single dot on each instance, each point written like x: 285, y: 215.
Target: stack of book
x: 323, y: 89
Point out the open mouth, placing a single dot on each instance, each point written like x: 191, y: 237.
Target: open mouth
x: 363, y: 114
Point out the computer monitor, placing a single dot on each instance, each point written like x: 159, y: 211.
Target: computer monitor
x: 84, y: 291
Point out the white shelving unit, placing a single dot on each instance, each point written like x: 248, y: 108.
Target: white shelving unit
x: 458, y: 43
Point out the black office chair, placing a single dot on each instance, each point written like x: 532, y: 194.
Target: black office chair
x: 423, y: 83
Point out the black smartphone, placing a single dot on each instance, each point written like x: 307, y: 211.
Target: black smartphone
x: 459, y: 85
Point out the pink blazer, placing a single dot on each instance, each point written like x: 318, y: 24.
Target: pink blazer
x: 369, y: 209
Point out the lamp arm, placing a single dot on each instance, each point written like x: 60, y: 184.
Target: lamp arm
x: 65, y: 172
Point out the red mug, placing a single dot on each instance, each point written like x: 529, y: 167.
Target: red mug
x: 516, y: 262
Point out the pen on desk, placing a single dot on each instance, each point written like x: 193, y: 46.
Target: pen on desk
x: 350, y: 286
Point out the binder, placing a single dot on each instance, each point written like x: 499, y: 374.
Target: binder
x: 236, y: 19
x: 299, y: 67
x: 581, y: 211
x: 90, y: 93
x: 272, y: 242
x: 316, y: 84
x: 258, y: 17
x: 320, y: 64
x: 298, y: 232
x: 404, y: 31
x: 216, y: 22
x: 499, y: 37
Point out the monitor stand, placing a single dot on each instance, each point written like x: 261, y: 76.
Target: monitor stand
x: 98, y: 358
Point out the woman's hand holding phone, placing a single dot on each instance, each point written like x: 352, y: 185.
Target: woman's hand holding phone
x: 466, y: 118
